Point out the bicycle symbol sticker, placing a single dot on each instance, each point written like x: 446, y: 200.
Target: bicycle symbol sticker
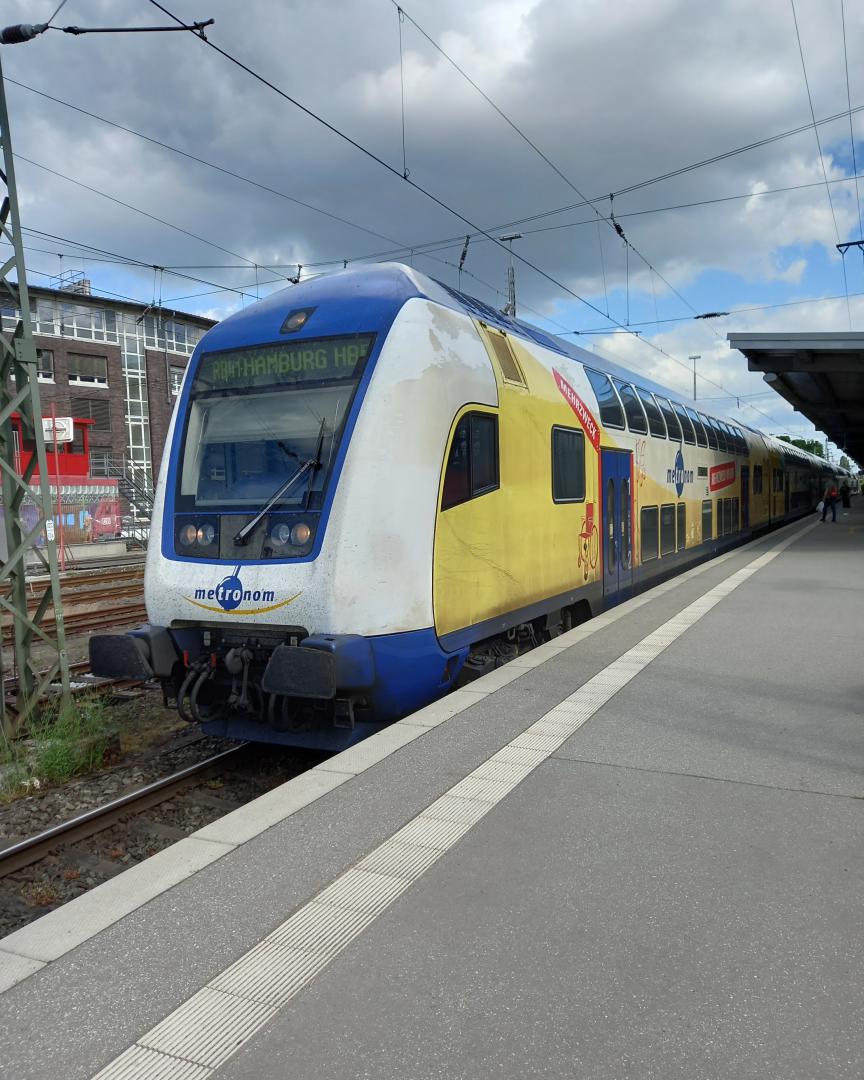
x: 589, y: 542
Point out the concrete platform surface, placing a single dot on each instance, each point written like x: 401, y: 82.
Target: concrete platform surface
x: 635, y: 853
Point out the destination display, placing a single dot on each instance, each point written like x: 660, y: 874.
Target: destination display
x: 323, y: 360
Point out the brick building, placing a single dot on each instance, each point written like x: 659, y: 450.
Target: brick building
x: 117, y: 363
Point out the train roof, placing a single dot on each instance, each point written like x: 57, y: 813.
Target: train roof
x: 378, y: 291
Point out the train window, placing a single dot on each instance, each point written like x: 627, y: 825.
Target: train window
x: 672, y: 424
x: 722, y: 442
x: 472, y: 468
x: 635, y: 416
x: 655, y: 417
x: 682, y: 526
x: 727, y: 517
x: 710, y: 432
x: 778, y: 479
x: 757, y: 479
x: 707, y: 520
x: 697, y: 426
x: 686, y: 423
x: 649, y: 528
x: 626, y: 537
x: 736, y: 515
x: 731, y: 441
x: 667, y: 529
x: 611, y: 539
x: 611, y: 413
x: 568, y: 465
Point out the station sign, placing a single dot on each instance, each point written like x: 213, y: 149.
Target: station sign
x: 58, y: 430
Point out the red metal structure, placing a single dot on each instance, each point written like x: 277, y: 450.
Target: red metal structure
x: 69, y: 460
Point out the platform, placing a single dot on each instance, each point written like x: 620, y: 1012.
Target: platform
x: 633, y: 853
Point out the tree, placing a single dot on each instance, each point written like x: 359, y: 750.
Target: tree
x: 812, y: 446
x: 844, y: 462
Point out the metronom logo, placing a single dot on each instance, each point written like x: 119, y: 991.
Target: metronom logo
x: 231, y: 596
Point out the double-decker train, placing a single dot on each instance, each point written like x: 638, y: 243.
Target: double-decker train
x: 376, y: 487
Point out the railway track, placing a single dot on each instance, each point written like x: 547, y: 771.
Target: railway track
x: 104, y: 599
x: 43, y: 871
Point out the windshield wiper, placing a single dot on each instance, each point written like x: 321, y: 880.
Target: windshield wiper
x: 307, y: 466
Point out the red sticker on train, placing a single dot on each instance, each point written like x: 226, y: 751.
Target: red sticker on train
x: 586, y: 419
x: 721, y: 476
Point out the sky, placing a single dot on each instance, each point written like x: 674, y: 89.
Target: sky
x: 571, y: 100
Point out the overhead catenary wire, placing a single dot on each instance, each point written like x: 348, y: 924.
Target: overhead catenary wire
x: 821, y: 157
x: 416, y: 186
x: 135, y: 209
x: 203, y: 161
x: 524, y: 260
x: 445, y: 243
x: 851, y: 132
x: 629, y: 245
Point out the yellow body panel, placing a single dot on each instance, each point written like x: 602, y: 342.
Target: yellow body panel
x: 513, y: 546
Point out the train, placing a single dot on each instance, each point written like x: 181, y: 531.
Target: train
x: 377, y: 488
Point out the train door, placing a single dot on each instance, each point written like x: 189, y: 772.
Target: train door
x: 786, y: 479
x: 616, y: 480
x: 745, y: 497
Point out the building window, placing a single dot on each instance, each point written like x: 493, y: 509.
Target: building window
x: 650, y: 532
x: 472, y: 467
x: 568, y: 465
x: 175, y: 376
x: 96, y: 409
x: 45, y: 365
x: 88, y: 369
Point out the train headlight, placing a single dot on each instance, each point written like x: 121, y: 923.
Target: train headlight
x: 281, y: 534
x: 301, y: 534
x: 188, y: 535
x: 206, y: 534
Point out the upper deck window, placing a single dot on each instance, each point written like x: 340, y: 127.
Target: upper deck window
x: 655, y: 417
x: 701, y: 437
x: 611, y: 413
x: 635, y: 416
x: 672, y: 423
x: 255, y: 415
x: 686, y: 423
x: 710, y: 432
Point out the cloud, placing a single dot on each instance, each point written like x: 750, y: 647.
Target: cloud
x: 612, y: 94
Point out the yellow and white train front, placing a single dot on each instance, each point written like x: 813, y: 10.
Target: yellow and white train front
x: 289, y: 576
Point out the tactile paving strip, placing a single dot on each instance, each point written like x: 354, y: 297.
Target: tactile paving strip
x: 199, y: 1036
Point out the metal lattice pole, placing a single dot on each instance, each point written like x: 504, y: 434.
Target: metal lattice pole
x: 27, y: 506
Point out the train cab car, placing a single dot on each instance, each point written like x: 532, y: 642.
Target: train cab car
x: 377, y: 487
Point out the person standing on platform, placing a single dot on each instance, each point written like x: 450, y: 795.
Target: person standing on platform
x: 829, y: 499
x: 845, y: 492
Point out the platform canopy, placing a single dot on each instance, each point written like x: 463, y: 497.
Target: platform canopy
x: 821, y: 375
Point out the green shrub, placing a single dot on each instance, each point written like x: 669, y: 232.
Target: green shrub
x: 69, y: 741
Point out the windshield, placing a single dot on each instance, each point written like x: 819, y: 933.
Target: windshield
x: 256, y: 415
